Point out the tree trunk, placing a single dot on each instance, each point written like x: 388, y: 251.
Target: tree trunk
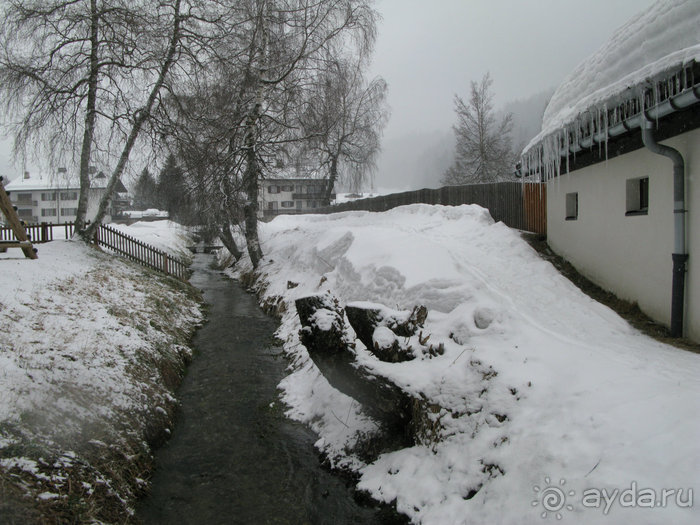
x: 90, y: 115
x: 329, y: 349
x: 141, y: 116
x: 230, y: 242
x: 332, y: 177
x: 251, y: 185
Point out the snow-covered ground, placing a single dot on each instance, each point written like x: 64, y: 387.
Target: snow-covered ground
x: 90, y: 350
x: 549, y: 402
x: 165, y: 235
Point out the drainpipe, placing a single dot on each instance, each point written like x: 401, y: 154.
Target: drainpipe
x: 680, y: 253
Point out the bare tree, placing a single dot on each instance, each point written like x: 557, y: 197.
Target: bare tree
x: 483, y: 152
x: 251, y: 119
x: 85, y: 76
x: 344, y: 122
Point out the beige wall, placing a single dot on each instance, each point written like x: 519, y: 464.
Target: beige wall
x: 631, y: 255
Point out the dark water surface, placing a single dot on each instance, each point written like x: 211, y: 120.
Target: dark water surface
x: 232, y: 457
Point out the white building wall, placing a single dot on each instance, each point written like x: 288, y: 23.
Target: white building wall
x: 631, y: 255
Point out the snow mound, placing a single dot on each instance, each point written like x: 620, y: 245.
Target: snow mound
x: 536, y: 380
x: 662, y: 38
x: 165, y: 235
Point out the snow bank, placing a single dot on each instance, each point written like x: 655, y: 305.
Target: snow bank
x: 662, y: 38
x: 164, y: 235
x: 89, y: 348
x: 538, y: 383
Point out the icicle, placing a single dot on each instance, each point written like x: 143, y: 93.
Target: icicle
x: 605, y: 129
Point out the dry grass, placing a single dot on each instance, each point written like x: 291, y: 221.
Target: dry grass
x: 110, y: 458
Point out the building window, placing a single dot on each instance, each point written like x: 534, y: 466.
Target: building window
x: 24, y: 198
x: 48, y: 212
x: 69, y: 195
x: 69, y: 211
x: 287, y: 188
x: 637, y: 191
x: 287, y: 204
x: 24, y: 213
x: 273, y: 189
x: 48, y: 196
x: 572, y: 206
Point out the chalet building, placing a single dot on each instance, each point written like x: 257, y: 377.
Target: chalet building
x: 55, y: 199
x: 291, y: 196
x: 620, y: 151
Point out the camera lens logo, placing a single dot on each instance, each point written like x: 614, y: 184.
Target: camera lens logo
x: 552, y: 498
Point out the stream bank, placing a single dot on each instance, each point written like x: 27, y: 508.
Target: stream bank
x: 234, y: 457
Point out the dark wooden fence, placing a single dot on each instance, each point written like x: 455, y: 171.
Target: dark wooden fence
x: 520, y: 205
x: 114, y: 241
x: 140, y: 252
x: 38, y: 233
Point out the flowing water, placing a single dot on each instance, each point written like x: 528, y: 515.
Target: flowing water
x: 233, y: 456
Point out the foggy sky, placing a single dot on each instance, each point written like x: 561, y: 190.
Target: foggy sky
x: 429, y: 50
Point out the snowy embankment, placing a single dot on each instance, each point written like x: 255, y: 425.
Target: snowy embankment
x: 165, y: 235
x: 541, y: 392
x: 91, y: 348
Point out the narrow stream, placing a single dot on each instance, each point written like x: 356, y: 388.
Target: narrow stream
x: 233, y: 456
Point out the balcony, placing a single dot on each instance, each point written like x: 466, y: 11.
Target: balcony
x: 308, y: 196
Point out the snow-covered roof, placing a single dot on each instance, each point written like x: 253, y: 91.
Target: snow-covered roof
x: 56, y: 182
x: 662, y: 39
x: 41, y: 183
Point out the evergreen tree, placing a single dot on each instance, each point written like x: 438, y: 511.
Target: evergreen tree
x: 145, y: 191
x: 173, y: 191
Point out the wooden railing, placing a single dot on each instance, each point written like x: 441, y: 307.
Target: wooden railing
x: 114, y: 241
x: 140, y: 252
x: 38, y: 233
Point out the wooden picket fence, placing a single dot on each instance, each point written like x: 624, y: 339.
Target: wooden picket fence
x: 38, y: 233
x: 114, y: 241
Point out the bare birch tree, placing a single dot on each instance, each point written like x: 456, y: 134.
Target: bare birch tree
x: 344, y: 122
x: 280, y: 48
x: 82, y: 78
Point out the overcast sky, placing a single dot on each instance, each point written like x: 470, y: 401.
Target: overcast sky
x: 428, y: 50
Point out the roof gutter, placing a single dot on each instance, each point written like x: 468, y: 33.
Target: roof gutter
x: 679, y: 102
x: 680, y: 252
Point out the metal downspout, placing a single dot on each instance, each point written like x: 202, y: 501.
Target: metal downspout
x: 680, y: 253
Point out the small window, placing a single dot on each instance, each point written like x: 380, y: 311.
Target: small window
x: 287, y: 188
x: 24, y: 213
x: 48, y: 196
x: 273, y: 189
x: 69, y: 211
x: 287, y: 204
x: 24, y: 198
x: 69, y: 195
x: 637, y: 191
x: 572, y: 206
x: 48, y: 212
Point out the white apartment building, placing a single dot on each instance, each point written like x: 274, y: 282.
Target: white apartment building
x: 291, y: 196
x: 55, y: 199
